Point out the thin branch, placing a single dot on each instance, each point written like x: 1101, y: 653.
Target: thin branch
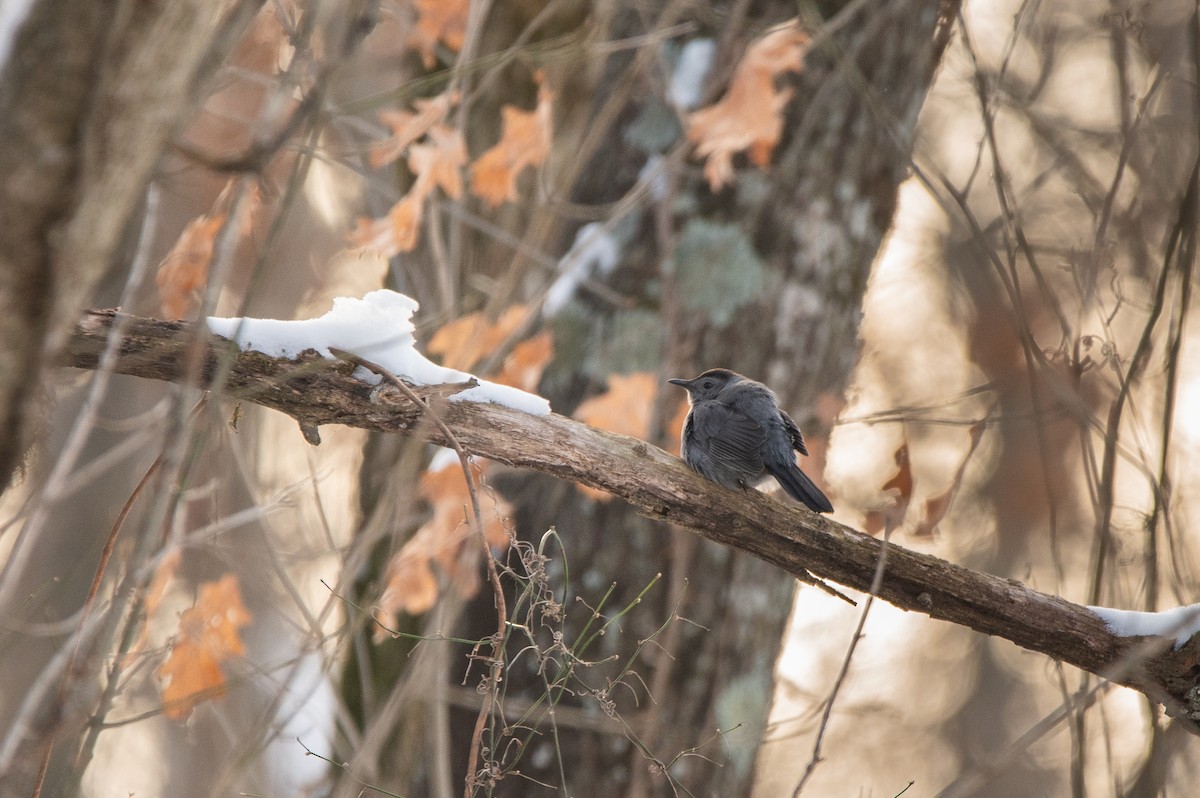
x: 493, y: 575
x: 876, y: 581
x: 316, y: 391
x: 1178, y: 246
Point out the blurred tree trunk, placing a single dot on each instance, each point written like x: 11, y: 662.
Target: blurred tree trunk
x: 87, y: 101
x: 799, y: 239
x: 93, y: 100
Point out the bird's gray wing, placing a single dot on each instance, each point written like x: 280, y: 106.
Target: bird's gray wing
x: 729, y: 436
x: 793, y: 432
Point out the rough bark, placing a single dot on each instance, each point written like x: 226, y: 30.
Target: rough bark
x: 89, y: 97
x: 811, y: 224
x: 659, y: 486
x: 833, y: 190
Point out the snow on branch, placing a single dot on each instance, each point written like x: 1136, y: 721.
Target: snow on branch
x: 315, y: 390
x: 1179, y: 623
x: 379, y: 328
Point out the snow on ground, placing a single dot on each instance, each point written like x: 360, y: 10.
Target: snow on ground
x: 378, y: 328
x: 12, y: 14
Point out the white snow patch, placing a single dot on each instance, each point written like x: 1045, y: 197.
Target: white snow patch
x: 1188, y: 394
x: 305, y: 717
x: 12, y: 14
x: 442, y: 459
x: 687, y: 81
x: 1180, y: 623
x: 378, y: 328
x: 595, y: 252
x: 654, y: 175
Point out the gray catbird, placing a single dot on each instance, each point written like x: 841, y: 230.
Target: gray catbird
x: 735, y: 434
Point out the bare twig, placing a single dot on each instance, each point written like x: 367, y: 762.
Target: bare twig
x: 876, y: 581
x: 496, y: 660
x: 1178, y: 246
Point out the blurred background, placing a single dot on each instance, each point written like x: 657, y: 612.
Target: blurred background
x: 958, y: 240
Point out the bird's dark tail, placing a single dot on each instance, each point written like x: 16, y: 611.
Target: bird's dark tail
x: 801, y: 488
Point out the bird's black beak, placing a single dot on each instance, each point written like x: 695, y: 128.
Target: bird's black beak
x: 681, y: 383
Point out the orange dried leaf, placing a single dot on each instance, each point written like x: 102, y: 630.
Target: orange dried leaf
x: 395, y: 233
x: 209, y: 635
x: 625, y: 408
x: 184, y: 271
x: 492, y: 179
x: 411, y: 586
x: 899, y: 489
x: 405, y: 218
x: 445, y: 539
x: 440, y: 162
x: 438, y: 20
x: 193, y: 676
x: 435, y: 164
x: 525, y: 141
x: 446, y: 490
x: 524, y: 366
x: 409, y: 126
x: 750, y: 114
x: 465, y: 341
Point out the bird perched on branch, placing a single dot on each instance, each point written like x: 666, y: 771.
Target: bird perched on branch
x: 735, y: 434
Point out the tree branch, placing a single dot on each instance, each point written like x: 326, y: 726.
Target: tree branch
x: 317, y: 391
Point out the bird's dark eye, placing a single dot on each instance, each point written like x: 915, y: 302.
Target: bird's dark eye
x: 707, y: 384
